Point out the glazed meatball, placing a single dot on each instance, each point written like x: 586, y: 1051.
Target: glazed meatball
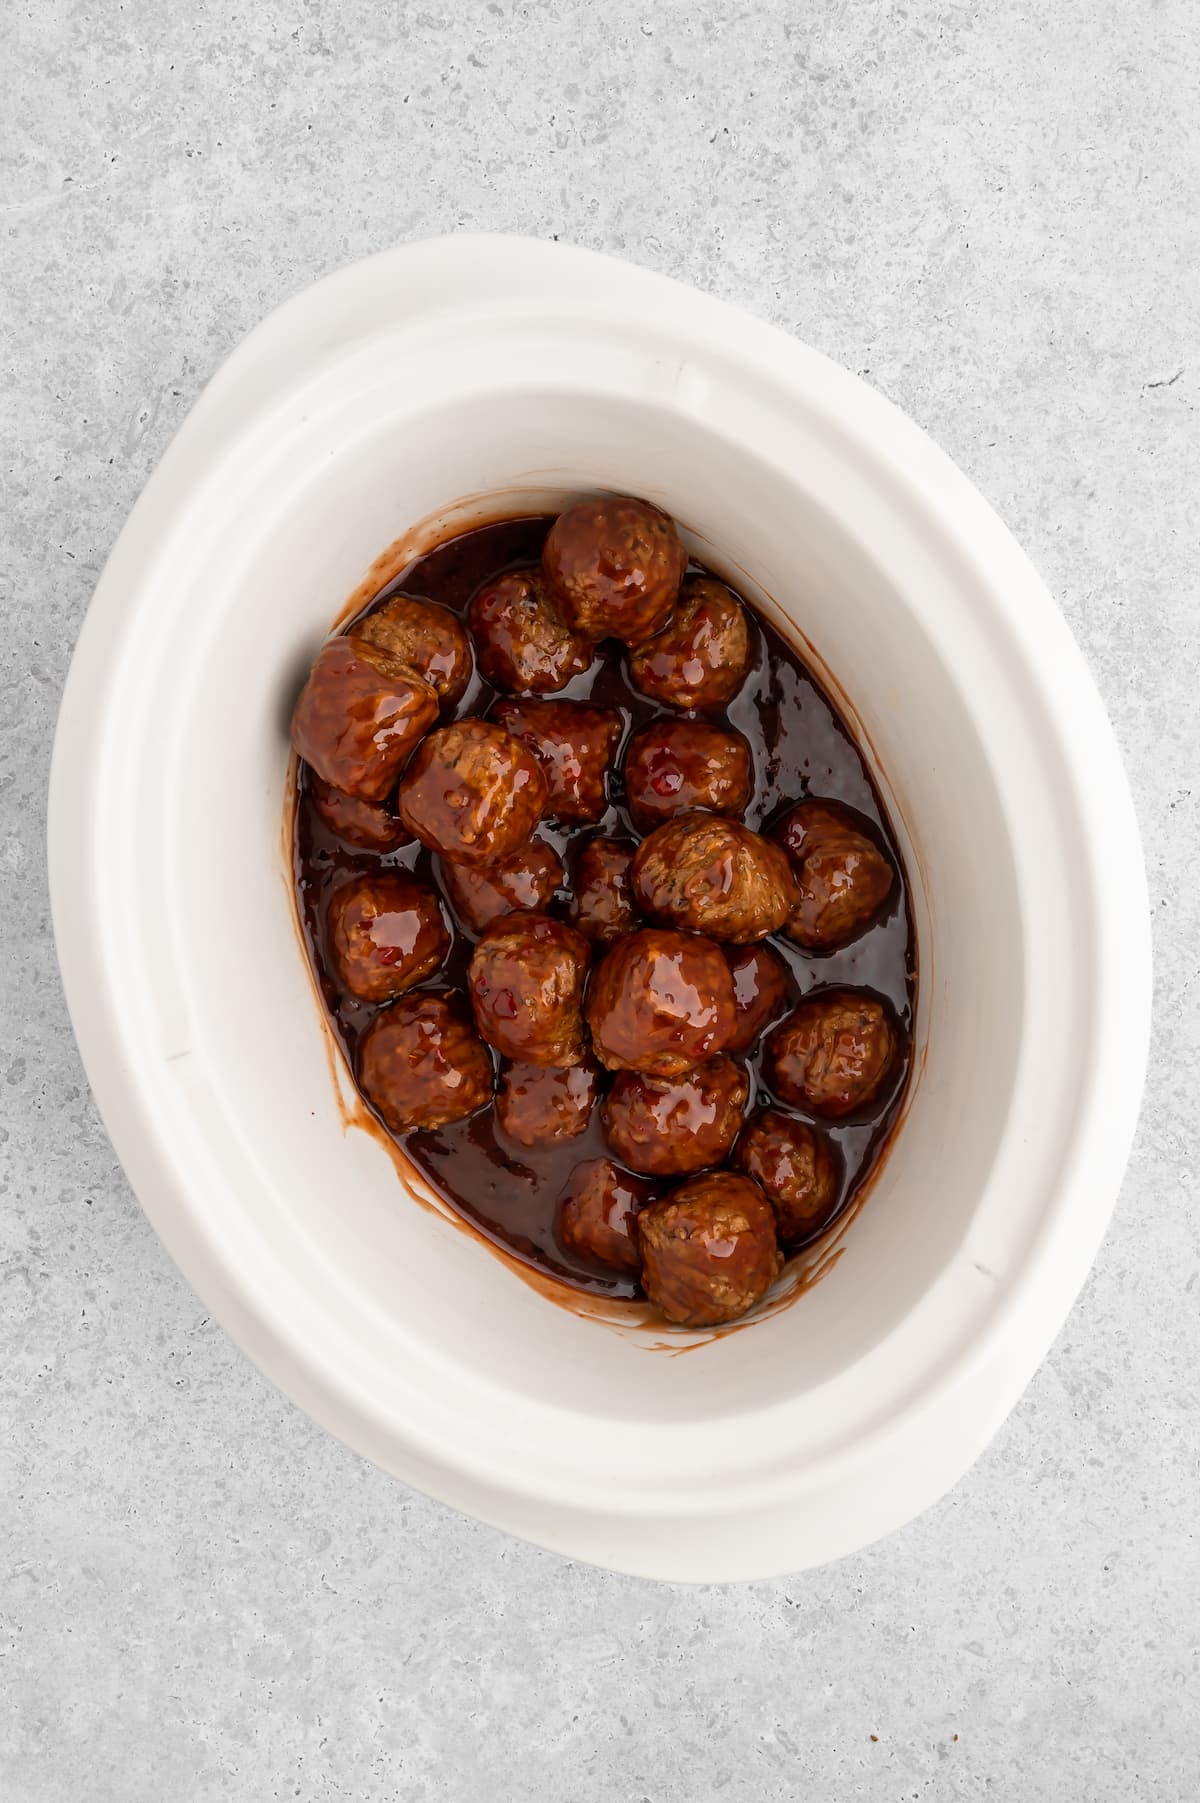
x: 364, y: 823
x: 575, y: 745
x: 425, y: 636
x: 708, y: 1250
x: 472, y: 792
x: 797, y: 1166
x: 386, y: 934
x: 700, y: 657
x: 601, y: 899
x: 421, y: 1063
x: 614, y: 566
x: 522, y: 640
x: 526, y: 987
x: 843, y: 875
x: 674, y: 766
x: 660, y: 1002
x: 597, y: 1214
x: 667, y: 1126
x: 359, y: 715
x: 833, y: 1052
x: 762, y: 988
x: 713, y: 876
x: 524, y: 882
x: 539, y: 1106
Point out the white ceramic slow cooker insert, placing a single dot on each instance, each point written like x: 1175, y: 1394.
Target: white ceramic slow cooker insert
x: 462, y: 378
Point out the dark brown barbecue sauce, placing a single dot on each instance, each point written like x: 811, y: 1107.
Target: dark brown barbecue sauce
x: 800, y: 747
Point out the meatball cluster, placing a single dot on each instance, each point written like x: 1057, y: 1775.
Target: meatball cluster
x: 550, y: 912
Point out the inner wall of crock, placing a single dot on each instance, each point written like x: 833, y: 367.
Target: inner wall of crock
x: 297, y: 544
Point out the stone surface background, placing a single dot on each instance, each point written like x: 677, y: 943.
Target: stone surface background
x: 991, y: 211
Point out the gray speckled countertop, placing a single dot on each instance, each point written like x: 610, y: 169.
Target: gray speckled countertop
x: 991, y: 211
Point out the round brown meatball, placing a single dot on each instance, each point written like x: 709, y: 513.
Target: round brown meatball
x: 614, y: 566
x: 364, y: 823
x: 472, y: 792
x: 666, y: 1126
x: 673, y: 766
x: 797, y: 1166
x: 833, y: 1052
x: 708, y: 1250
x: 526, y: 881
x: 359, y: 715
x: 601, y: 899
x: 526, y: 987
x: 421, y: 1064
x: 660, y: 1002
x: 539, y: 1106
x: 425, y: 636
x: 700, y: 657
x: 521, y: 638
x: 574, y: 744
x: 386, y: 934
x: 598, y: 1211
x: 713, y: 876
x: 762, y: 988
x: 843, y: 875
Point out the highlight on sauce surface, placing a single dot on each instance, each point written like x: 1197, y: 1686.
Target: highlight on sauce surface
x: 604, y: 908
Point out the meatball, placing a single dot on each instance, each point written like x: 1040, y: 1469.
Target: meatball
x: 597, y: 1211
x: 425, y: 636
x: 539, y: 1106
x: 667, y: 1126
x: 797, y: 1166
x: 833, y: 1052
x: 359, y: 715
x: 762, y: 988
x: 522, y: 640
x: 364, y: 823
x: 673, y: 766
x: 700, y: 657
x: 421, y: 1063
x: 843, y: 875
x: 386, y: 934
x: 614, y: 566
x: 713, y: 876
x: 575, y: 745
x: 708, y: 1250
x: 526, y: 987
x: 525, y: 881
x: 472, y: 792
x: 660, y: 1002
x: 601, y: 900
